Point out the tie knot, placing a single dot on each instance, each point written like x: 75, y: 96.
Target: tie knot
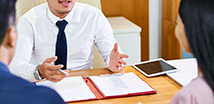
x: 61, y: 25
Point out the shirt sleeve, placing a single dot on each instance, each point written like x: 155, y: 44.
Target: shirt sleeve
x: 22, y: 92
x: 104, y: 39
x: 47, y: 96
x: 184, y: 97
x: 20, y: 65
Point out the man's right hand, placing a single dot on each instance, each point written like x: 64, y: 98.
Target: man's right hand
x: 50, y: 72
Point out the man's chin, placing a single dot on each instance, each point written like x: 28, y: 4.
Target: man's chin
x: 64, y: 11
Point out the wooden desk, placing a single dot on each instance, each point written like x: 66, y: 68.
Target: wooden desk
x: 165, y: 88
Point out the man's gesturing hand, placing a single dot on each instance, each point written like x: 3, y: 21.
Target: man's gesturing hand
x: 116, y: 59
x: 50, y: 72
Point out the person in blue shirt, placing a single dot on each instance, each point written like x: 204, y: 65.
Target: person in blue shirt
x: 15, y: 90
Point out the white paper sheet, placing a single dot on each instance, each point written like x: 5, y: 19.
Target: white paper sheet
x: 70, y: 88
x: 120, y: 85
x: 187, y: 70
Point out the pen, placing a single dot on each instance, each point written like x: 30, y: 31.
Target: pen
x: 63, y: 72
x: 109, y: 75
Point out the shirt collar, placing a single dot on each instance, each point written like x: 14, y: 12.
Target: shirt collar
x: 54, y: 18
x: 4, y: 67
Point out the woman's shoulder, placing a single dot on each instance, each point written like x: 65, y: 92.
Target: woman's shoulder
x: 197, y: 92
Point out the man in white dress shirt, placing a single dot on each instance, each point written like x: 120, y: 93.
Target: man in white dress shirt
x: 86, y: 27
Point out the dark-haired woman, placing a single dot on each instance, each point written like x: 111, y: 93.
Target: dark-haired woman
x: 195, y: 32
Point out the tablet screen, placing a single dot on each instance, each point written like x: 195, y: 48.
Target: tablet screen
x: 155, y: 67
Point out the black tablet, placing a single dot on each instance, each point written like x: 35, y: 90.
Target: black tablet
x: 154, y: 67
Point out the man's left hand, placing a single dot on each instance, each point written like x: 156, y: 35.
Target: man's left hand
x: 116, y: 59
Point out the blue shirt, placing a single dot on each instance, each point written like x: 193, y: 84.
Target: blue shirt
x: 14, y: 90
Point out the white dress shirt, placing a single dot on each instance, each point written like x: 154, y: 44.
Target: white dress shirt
x: 37, y: 35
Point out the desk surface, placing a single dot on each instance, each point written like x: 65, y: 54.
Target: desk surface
x: 165, y: 88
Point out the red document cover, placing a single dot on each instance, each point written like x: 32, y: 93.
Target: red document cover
x: 99, y: 94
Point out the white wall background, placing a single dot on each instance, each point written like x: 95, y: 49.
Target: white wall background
x: 155, y: 15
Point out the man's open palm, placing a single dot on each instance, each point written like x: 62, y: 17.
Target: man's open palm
x: 116, y: 59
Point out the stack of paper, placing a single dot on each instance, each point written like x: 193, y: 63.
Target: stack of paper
x: 187, y: 70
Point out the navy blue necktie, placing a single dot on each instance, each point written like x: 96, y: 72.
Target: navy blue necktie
x: 61, y: 44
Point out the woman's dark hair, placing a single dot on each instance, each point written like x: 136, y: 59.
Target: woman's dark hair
x: 7, y: 16
x: 198, y: 19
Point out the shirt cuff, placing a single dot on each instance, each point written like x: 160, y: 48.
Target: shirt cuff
x: 107, y: 61
x: 28, y: 73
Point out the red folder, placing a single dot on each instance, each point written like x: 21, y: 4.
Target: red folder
x: 99, y: 95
